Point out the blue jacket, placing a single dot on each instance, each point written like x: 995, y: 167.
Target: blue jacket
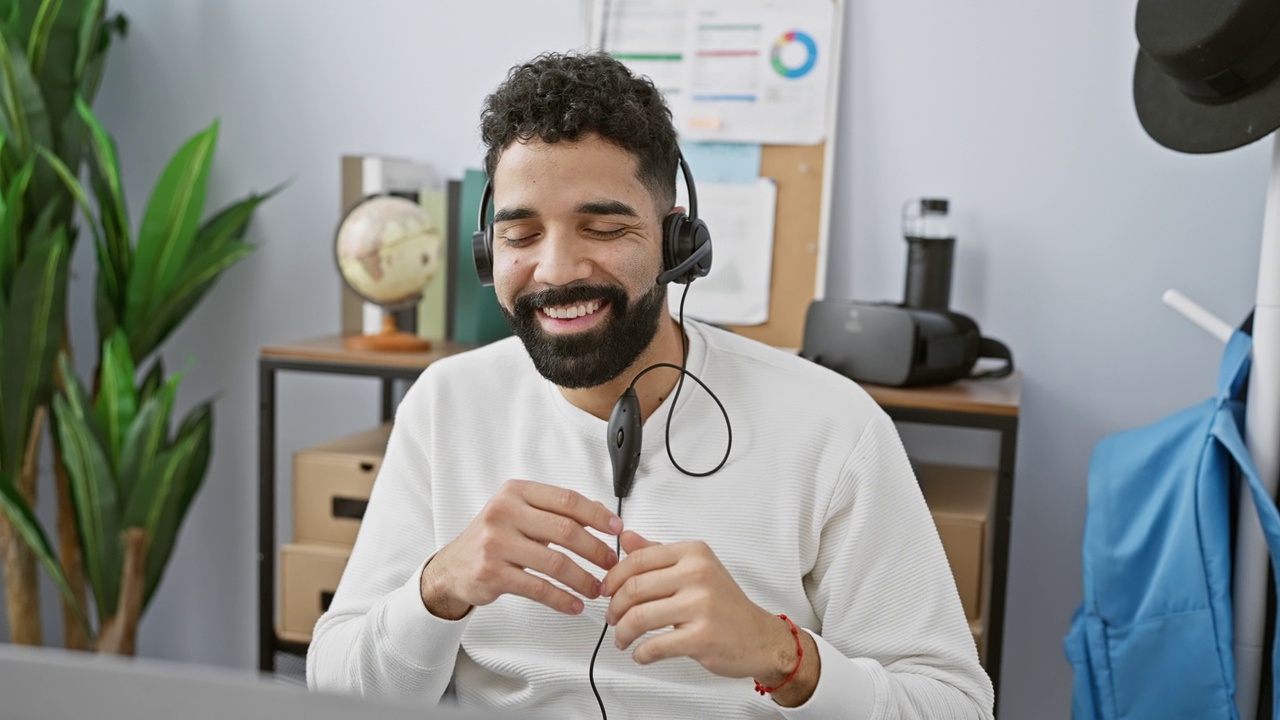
x: 1152, y: 638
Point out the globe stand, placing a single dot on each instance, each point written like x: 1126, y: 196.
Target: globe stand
x: 391, y: 339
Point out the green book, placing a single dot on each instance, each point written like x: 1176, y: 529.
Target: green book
x: 476, y: 317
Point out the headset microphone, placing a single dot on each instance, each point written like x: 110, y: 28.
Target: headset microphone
x: 624, y: 442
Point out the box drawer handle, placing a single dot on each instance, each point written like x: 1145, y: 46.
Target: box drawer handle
x: 349, y: 507
x: 366, y: 466
x: 326, y: 599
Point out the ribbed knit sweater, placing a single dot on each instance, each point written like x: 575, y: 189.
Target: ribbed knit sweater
x: 816, y: 514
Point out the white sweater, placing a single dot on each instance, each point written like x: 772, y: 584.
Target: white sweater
x: 817, y: 514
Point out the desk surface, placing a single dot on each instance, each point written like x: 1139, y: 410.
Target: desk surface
x: 985, y: 397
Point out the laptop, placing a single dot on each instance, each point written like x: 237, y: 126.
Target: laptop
x: 56, y: 684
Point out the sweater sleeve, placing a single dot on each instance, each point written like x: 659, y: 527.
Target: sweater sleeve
x: 894, y: 641
x: 377, y: 639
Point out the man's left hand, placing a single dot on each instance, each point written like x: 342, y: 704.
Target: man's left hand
x: 684, y: 586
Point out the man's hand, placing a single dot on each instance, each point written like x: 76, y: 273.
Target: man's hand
x: 510, y: 536
x: 684, y: 586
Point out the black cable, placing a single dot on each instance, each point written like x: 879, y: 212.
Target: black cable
x: 684, y: 357
x: 591, y: 671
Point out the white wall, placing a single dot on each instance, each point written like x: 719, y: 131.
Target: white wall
x: 1072, y: 222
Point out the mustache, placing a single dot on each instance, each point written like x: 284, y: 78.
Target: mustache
x: 526, y: 304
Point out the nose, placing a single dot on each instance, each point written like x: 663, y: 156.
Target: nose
x: 561, y: 259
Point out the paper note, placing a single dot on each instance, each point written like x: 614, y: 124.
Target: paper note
x: 740, y: 220
x: 731, y: 163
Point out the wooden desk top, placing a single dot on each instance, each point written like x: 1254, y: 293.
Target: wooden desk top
x: 986, y: 397
x: 334, y: 350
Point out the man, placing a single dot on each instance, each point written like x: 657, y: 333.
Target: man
x: 486, y: 556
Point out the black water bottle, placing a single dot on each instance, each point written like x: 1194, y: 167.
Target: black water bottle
x: 930, y: 251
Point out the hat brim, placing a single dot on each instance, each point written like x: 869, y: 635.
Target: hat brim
x: 1182, y: 124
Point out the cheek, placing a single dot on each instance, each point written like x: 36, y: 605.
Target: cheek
x: 508, y: 272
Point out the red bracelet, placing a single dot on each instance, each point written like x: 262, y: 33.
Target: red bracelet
x: 795, y: 632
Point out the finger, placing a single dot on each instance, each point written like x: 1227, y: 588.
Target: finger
x: 518, y: 582
x: 640, y: 619
x: 674, y: 644
x: 570, y: 504
x: 648, y: 559
x: 640, y: 589
x: 633, y: 541
x: 547, y: 527
x: 555, y: 564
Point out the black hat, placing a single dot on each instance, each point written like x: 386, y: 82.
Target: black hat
x: 1208, y: 72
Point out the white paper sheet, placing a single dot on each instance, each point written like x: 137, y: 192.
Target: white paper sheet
x: 751, y: 71
x: 740, y: 219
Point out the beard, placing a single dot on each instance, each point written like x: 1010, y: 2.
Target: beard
x: 593, y: 357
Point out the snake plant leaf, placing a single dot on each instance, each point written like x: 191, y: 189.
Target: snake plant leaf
x: 33, y: 321
x: 77, y: 398
x: 147, y: 437
x: 117, y: 402
x: 87, y: 44
x: 25, y: 120
x: 153, y: 489
x: 169, y: 226
x: 24, y: 521
x: 219, y: 245
x: 197, y: 425
x: 91, y: 75
x: 151, y: 380
x: 74, y: 188
x: 93, y: 492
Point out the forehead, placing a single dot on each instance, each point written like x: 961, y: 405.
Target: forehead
x: 536, y: 172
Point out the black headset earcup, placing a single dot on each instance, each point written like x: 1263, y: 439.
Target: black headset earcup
x: 482, y: 251
x: 686, y: 249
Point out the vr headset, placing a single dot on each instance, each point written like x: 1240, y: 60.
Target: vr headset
x: 897, y: 345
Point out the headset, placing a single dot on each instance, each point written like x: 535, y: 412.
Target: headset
x: 686, y: 242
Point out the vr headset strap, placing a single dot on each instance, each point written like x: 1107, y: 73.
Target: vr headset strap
x: 992, y: 348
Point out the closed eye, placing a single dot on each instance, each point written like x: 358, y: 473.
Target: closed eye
x: 518, y: 241
x: 607, y: 234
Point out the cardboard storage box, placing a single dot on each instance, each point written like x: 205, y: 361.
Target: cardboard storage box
x: 309, y: 576
x: 961, y: 499
x: 331, y: 485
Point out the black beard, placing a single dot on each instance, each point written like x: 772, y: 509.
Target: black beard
x: 593, y: 357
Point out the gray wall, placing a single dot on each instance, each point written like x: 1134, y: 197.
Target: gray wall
x: 1072, y: 222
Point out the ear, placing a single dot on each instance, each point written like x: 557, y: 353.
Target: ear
x: 678, y: 209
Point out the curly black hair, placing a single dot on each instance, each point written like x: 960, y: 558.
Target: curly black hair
x: 565, y: 96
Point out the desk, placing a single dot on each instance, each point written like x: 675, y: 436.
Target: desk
x: 988, y: 405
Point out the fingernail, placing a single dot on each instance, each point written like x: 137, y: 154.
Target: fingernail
x: 599, y: 588
x: 615, y: 524
x: 577, y: 606
x: 613, y: 558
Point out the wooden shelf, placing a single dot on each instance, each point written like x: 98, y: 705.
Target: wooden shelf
x: 983, y: 397
x: 333, y: 350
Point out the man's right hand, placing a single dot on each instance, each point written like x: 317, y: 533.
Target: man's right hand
x: 512, y: 535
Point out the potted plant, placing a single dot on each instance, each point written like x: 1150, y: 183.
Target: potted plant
x: 126, y: 476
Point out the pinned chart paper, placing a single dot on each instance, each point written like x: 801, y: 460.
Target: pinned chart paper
x: 752, y: 71
x: 740, y: 219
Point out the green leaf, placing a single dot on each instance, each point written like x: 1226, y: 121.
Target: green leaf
x: 33, y: 324
x: 24, y: 119
x: 11, y: 225
x: 152, y: 492
x: 117, y: 402
x: 87, y: 37
x: 218, y: 247
x: 28, y: 528
x: 38, y: 43
x: 104, y: 170
x: 148, y: 435
x: 151, y: 381
x: 93, y: 492
x: 198, y: 424
x: 169, y: 225
x: 73, y: 187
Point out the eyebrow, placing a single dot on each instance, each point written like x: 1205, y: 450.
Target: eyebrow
x: 593, y: 207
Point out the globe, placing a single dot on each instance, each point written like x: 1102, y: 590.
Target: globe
x: 388, y: 248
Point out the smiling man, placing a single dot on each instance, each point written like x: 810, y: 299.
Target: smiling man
x: 803, y: 578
